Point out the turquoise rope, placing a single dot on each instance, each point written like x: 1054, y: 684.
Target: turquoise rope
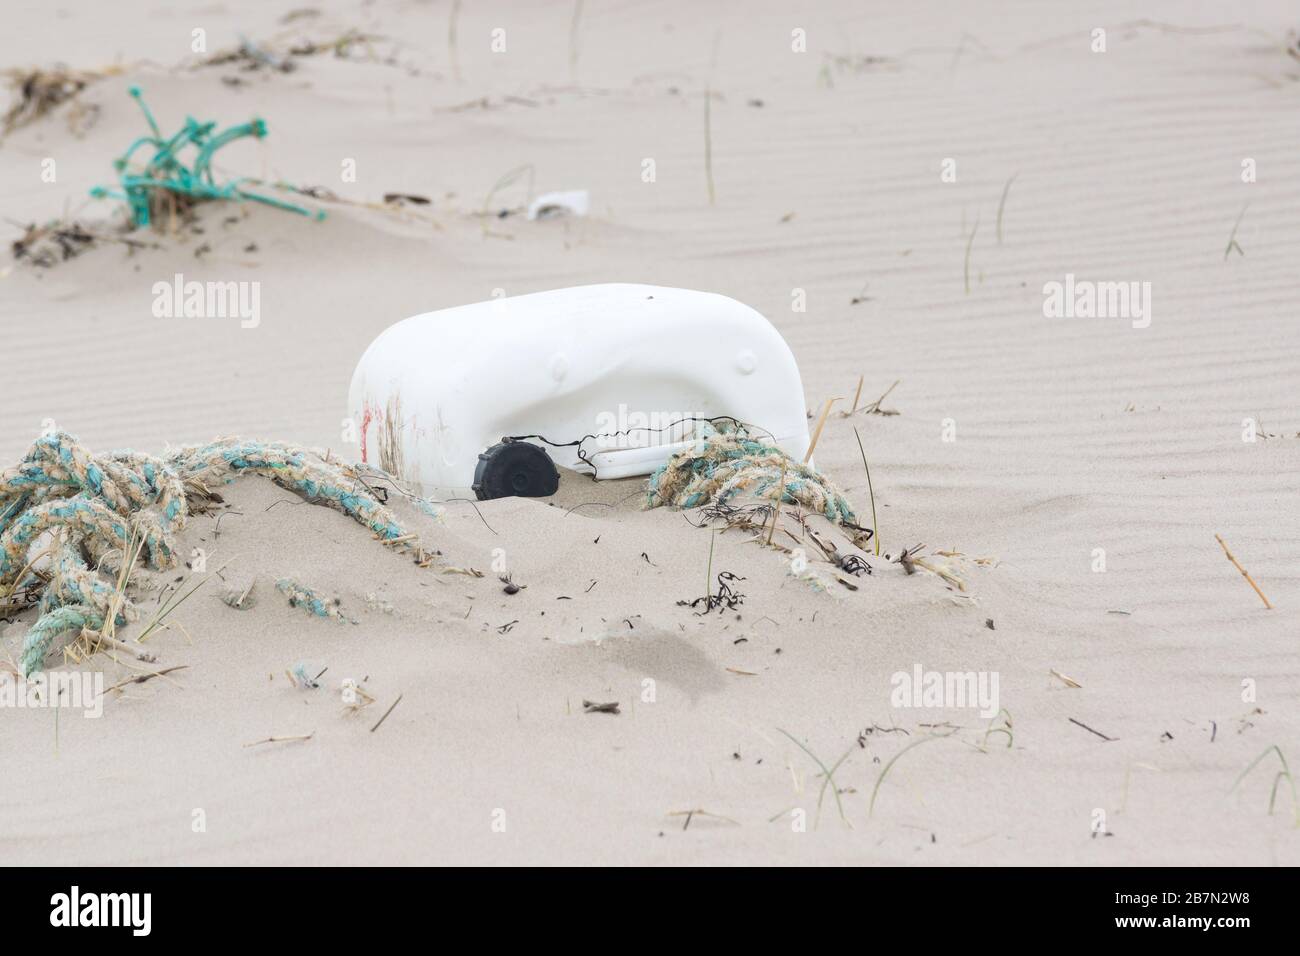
x: 257, y: 456
x: 40, y: 638
x: 61, y: 487
x: 710, y: 456
x: 304, y: 597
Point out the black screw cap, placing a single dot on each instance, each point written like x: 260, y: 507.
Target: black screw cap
x: 515, y: 468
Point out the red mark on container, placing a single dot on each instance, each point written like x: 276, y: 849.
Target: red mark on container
x: 367, y: 416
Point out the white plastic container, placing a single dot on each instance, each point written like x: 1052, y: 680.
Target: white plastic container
x: 620, y: 368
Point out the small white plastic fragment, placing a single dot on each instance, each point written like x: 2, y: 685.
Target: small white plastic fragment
x: 575, y: 202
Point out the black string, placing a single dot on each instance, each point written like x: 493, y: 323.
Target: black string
x: 741, y: 427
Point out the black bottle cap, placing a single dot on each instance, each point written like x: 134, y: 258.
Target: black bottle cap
x: 515, y: 468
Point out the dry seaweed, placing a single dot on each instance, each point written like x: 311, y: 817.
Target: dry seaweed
x: 38, y: 92
x: 728, y: 597
x: 279, y: 55
x: 57, y: 241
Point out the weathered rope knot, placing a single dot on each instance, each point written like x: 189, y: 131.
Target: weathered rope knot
x: 721, y: 466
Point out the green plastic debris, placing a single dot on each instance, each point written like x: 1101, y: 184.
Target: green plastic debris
x: 165, y: 171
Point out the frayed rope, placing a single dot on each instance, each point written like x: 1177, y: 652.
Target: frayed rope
x: 94, y: 507
x: 722, y: 466
x: 301, y: 596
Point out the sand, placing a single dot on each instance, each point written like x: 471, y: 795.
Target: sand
x: 1071, y: 435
